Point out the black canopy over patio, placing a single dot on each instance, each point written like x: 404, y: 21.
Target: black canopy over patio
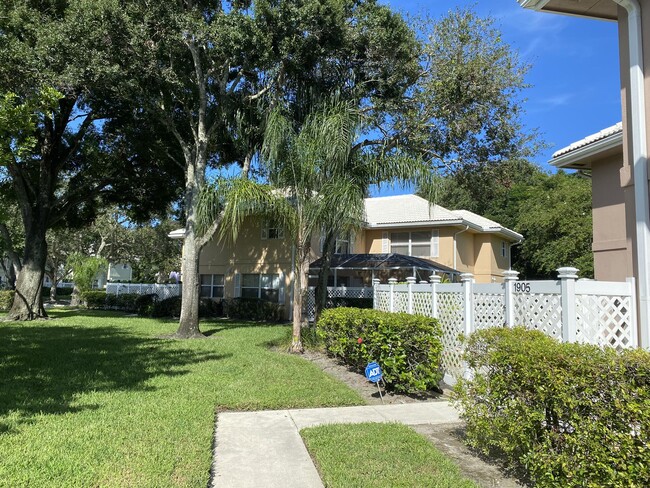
x: 383, y: 266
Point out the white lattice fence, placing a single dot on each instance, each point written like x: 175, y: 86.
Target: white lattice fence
x: 450, y: 314
x: 333, y: 292
x: 600, y: 313
x: 163, y: 291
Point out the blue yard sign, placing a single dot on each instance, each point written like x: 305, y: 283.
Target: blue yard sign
x: 373, y: 372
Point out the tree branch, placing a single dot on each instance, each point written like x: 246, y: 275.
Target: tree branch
x: 11, y: 251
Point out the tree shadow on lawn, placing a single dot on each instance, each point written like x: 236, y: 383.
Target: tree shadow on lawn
x: 43, y: 369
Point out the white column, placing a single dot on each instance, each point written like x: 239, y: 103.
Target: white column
x: 467, y: 279
x: 509, y: 277
x: 375, y: 282
x: 391, y: 301
x: 568, y: 277
x: 435, y: 280
x: 411, y: 281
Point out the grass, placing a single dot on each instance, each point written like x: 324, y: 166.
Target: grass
x: 97, y: 399
x: 379, y: 455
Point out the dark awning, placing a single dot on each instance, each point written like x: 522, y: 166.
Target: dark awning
x: 382, y: 262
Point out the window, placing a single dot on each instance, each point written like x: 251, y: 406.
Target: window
x: 272, y: 231
x: 504, y: 250
x: 418, y: 243
x: 264, y: 286
x: 212, y: 286
x: 342, y: 246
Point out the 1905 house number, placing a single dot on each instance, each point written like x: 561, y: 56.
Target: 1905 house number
x: 522, y: 287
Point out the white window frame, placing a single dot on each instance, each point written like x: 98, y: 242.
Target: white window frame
x: 212, y: 286
x: 259, y: 287
x: 434, y: 242
x: 272, y: 231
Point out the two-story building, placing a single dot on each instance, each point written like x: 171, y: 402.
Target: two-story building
x: 429, y: 238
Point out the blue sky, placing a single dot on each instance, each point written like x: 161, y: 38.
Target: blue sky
x: 575, y: 70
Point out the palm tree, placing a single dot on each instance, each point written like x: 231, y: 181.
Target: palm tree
x: 317, y: 177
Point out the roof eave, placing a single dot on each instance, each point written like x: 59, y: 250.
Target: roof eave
x: 581, y: 157
x: 428, y: 223
x: 533, y: 4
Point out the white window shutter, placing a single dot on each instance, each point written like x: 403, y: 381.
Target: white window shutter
x: 385, y: 243
x: 435, y: 243
x: 237, y: 285
x: 351, y: 244
x: 281, y: 290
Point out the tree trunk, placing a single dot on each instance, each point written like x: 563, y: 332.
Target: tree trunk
x: 53, y: 289
x: 188, y: 326
x: 323, y: 275
x: 302, y: 272
x: 28, y: 300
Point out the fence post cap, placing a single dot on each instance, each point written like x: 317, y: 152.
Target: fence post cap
x: 411, y: 280
x: 510, y: 275
x: 434, y: 278
x: 392, y: 281
x: 464, y: 277
x: 567, y: 273
x: 375, y: 281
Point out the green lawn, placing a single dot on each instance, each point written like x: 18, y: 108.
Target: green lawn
x: 379, y: 455
x: 96, y: 399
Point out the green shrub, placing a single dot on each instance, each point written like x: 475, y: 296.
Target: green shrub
x: 210, y: 308
x: 94, y: 299
x: 6, y: 299
x: 146, y: 304
x: 60, y: 292
x: 169, y: 307
x: 407, y: 347
x: 253, y: 309
x: 568, y: 414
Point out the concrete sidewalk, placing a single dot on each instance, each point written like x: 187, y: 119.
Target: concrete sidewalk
x: 264, y: 449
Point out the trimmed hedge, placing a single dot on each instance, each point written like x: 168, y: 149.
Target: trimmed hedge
x: 6, y: 299
x: 407, y: 347
x: 567, y: 414
x: 253, y: 309
x: 60, y: 292
x: 94, y: 299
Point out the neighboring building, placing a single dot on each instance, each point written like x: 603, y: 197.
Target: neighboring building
x: 612, y: 200
x: 259, y: 265
x: 629, y: 187
x: 117, y: 272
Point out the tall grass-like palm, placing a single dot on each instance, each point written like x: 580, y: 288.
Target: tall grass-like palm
x: 317, y: 177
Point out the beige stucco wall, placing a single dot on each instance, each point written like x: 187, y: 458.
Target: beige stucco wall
x: 611, y: 245
x: 252, y: 254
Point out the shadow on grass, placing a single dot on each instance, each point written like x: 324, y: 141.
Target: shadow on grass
x: 43, y: 369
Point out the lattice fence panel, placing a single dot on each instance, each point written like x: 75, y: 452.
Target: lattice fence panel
x: 605, y: 320
x: 382, y: 301
x: 489, y: 310
x: 541, y: 312
x: 450, y: 315
x: 400, y: 301
x: 309, y: 304
x: 422, y: 303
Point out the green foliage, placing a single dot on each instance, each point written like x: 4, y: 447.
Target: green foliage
x: 337, y: 302
x: 407, y: 347
x: 253, y: 309
x: 6, y: 299
x: 95, y: 299
x: 60, y: 292
x: 555, y: 218
x: 569, y: 414
x: 169, y: 307
x: 85, y: 268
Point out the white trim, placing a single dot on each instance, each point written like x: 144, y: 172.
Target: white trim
x: 590, y: 150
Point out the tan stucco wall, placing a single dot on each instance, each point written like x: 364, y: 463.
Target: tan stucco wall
x: 611, y: 245
x: 252, y: 254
